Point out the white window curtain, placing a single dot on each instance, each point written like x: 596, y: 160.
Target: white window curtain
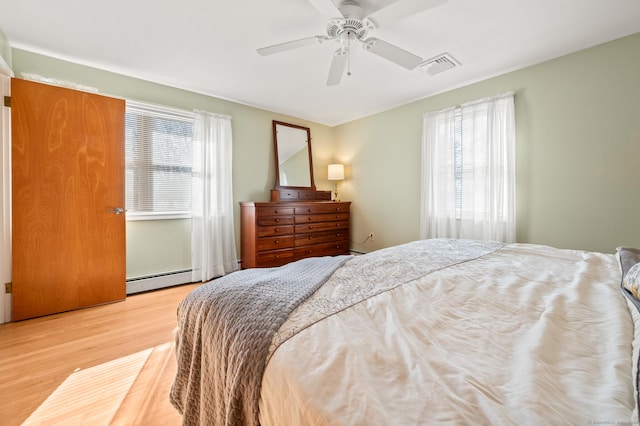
x: 213, y: 247
x: 468, y: 171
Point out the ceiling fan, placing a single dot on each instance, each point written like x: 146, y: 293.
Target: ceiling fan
x: 347, y: 23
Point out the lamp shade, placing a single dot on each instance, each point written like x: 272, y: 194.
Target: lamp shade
x: 335, y: 172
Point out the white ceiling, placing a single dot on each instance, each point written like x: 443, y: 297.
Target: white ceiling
x: 209, y: 46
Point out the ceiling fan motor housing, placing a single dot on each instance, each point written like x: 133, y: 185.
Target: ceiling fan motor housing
x: 352, y: 26
x: 351, y: 9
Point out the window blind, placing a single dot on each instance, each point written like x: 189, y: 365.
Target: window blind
x: 472, y: 165
x: 158, y: 159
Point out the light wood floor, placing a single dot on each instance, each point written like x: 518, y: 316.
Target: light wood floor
x: 105, y: 365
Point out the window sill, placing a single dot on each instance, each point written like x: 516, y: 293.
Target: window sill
x: 131, y: 217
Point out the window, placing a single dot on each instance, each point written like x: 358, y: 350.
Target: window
x: 468, y: 180
x: 471, y: 162
x: 158, y: 161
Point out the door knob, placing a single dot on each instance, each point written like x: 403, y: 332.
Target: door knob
x: 118, y: 210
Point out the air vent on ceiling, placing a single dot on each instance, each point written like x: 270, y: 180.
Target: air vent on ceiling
x: 438, y: 64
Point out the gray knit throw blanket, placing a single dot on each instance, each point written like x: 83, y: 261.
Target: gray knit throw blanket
x: 224, y: 331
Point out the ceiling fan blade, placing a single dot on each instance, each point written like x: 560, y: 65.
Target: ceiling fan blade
x: 337, y: 66
x: 327, y: 9
x: 401, y: 9
x: 392, y: 53
x: 277, y: 48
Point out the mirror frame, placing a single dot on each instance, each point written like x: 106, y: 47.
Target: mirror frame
x: 277, y: 186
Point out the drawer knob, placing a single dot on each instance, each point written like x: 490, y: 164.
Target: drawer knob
x: 277, y: 242
x: 310, y: 237
x: 277, y: 230
x: 309, y: 210
x: 276, y: 211
x: 277, y: 220
x: 309, y: 218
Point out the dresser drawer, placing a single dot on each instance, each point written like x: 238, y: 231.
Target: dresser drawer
x: 267, y: 259
x: 273, y: 231
x: 310, y: 218
x: 324, y: 249
x: 274, y: 243
x: 322, y: 208
x: 274, y: 211
x: 321, y: 237
x: 275, y: 220
x: 321, y: 226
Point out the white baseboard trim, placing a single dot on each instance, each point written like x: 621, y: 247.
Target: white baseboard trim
x: 138, y: 285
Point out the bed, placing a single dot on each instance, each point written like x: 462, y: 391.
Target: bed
x: 430, y: 332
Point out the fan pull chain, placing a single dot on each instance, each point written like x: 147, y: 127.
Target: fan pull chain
x: 349, y: 54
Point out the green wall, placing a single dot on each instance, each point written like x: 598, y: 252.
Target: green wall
x: 5, y: 50
x: 578, y: 153
x: 162, y: 246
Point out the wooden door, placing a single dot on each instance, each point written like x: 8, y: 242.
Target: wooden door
x: 68, y: 177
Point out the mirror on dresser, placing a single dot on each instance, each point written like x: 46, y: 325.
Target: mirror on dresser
x: 294, y: 165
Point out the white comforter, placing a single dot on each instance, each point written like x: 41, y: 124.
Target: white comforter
x: 513, y: 335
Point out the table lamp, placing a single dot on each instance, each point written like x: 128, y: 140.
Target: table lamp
x: 336, y: 173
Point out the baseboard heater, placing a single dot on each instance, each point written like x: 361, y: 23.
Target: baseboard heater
x: 154, y: 282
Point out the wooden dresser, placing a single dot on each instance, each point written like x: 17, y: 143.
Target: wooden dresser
x: 275, y: 233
